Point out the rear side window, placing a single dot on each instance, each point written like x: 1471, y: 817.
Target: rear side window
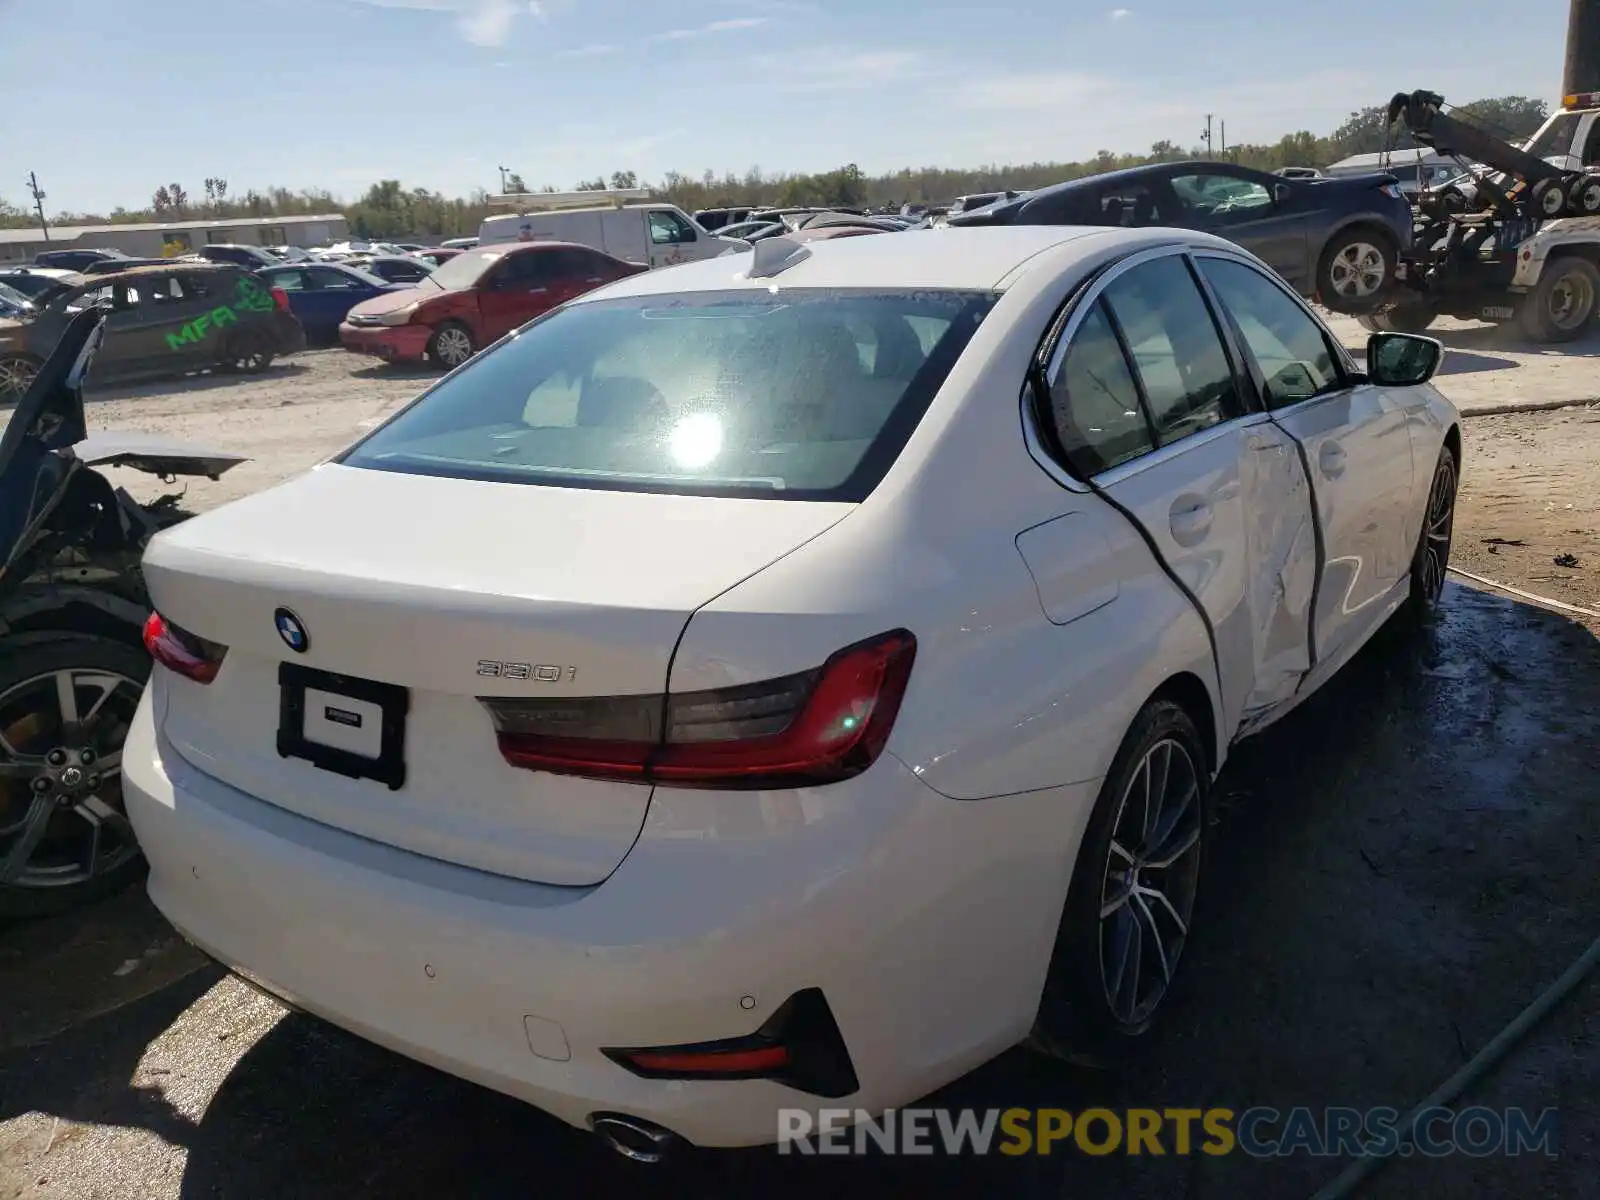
x: 1177, y: 351
x: 807, y: 395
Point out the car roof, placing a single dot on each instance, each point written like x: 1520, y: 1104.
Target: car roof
x: 146, y: 270
x: 947, y: 259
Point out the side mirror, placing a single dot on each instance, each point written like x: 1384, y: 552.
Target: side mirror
x: 1402, y: 359
x: 1281, y: 192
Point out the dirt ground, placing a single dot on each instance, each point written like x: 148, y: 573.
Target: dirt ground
x: 1399, y: 868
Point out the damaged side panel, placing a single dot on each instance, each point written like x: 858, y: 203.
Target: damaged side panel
x: 1281, y: 548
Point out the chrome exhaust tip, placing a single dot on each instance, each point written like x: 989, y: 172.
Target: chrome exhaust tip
x: 635, y: 1138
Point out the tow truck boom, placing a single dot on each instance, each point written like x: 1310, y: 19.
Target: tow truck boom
x: 1429, y: 124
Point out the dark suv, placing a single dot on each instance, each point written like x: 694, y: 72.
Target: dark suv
x: 251, y: 258
x: 164, y: 320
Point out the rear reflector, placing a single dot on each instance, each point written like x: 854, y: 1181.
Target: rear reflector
x: 281, y: 299
x: 181, y: 651
x: 799, y: 1045
x: 815, y: 727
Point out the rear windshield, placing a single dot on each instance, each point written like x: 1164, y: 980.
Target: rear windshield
x: 807, y: 395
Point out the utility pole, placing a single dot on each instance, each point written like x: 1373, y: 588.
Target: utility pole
x: 502, y: 181
x: 1224, y: 139
x: 1582, y: 72
x: 38, y: 203
x: 1206, y: 136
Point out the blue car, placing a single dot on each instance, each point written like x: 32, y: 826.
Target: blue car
x: 321, y: 293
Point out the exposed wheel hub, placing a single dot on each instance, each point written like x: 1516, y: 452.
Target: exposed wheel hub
x: 68, y: 775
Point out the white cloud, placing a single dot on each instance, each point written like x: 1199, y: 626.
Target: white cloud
x: 1043, y: 91
x: 595, y: 51
x: 841, y: 70
x: 1120, y: 14
x: 732, y: 25
x: 481, y: 22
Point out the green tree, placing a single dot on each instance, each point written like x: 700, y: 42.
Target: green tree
x: 1515, y: 117
x: 624, y: 180
x: 514, y: 184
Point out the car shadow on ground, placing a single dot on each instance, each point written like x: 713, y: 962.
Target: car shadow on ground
x: 1398, y: 868
x: 383, y: 370
x: 184, y: 385
x: 1509, y: 337
x: 1468, y: 362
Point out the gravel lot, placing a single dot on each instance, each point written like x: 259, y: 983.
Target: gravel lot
x: 1401, y: 866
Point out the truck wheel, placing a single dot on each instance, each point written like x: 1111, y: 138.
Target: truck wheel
x: 249, y: 352
x: 451, y: 345
x: 1583, y: 197
x: 1562, y: 304
x: 1402, y: 318
x: 66, y: 702
x: 1356, y: 270
x: 1548, y: 198
x: 16, y: 375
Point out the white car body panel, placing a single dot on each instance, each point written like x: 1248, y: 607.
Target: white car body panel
x: 622, y: 232
x: 506, y: 925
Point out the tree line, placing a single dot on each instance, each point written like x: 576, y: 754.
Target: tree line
x: 388, y: 209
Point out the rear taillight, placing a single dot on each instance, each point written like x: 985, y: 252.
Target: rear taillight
x: 181, y: 651
x: 815, y: 727
x: 281, y: 299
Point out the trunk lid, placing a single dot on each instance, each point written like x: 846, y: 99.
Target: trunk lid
x: 451, y: 589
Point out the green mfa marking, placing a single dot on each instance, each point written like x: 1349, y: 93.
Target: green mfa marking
x: 196, y: 330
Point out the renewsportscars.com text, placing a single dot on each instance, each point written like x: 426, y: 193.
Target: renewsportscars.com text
x: 1260, y: 1132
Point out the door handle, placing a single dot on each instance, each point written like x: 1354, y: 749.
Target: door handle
x: 1331, y: 458
x: 1190, y: 520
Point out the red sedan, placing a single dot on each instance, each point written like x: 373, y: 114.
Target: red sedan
x: 476, y: 298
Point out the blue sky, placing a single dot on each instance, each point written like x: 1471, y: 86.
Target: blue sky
x: 106, y: 99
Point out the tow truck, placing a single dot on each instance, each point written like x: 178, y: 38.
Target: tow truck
x: 1516, y: 237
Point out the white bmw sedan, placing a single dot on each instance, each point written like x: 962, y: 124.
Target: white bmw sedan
x: 786, y: 680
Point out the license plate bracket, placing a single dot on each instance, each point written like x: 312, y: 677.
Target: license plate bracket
x: 392, y: 702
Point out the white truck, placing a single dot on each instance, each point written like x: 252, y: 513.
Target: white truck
x: 625, y: 224
x: 1520, y: 241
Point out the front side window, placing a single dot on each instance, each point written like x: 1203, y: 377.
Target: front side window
x: 1290, y: 348
x: 325, y: 280
x: 668, y: 228
x: 1222, y: 199
x: 1177, y: 352
x: 1094, y: 401
x: 1132, y: 204
x: 718, y: 393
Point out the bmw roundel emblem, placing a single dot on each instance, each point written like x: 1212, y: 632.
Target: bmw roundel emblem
x: 292, y: 632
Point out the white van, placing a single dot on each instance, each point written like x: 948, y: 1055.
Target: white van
x: 659, y: 235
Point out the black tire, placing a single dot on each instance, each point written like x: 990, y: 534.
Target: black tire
x: 1083, y: 1014
x: 249, y: 352
x: 60, y: 871
x: 1403, y: 318
x: 1562, y: 305
x: 16, y: 374
x: 1431, y: 558
x: 1356, y: 270
x: 1547, y: 198
x: 1583, y: 196
x: 445, y: 347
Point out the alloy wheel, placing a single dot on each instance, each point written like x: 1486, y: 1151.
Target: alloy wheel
x: 1357, y: 271
x: 16, y: 376
x: 1438, y: 528
x: 454, y: 347
x: 1152, y: 872
x: 62, y: 820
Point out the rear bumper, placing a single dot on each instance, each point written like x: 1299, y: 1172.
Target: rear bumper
x: 388, y: 342
x: 926, y: 922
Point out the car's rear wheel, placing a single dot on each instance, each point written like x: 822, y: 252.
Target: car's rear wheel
x: 1129, y: 904
x: 451, y: 345
x: 1562, y: 305
x: 250, y: 352
x: 66, y: 703
x: 1432, y: 557
x: 16, y: 376
x: 1356, y: 269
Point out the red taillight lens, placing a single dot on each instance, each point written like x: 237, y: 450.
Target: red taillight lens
x: 181, y: 651
x: 815, y: 727
x: 281, y: 299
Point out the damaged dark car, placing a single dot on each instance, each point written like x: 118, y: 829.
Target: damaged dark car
x: 72, y: 610
x: 164, y: 320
